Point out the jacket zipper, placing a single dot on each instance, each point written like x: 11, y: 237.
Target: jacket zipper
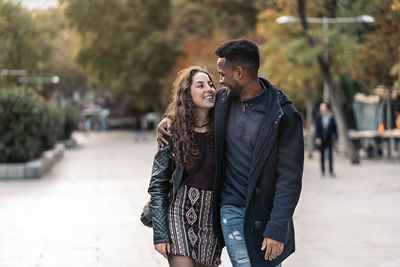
x: 239, y: 128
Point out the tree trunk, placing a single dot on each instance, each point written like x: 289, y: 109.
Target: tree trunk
x: 352, y: 153
x: 327, y: 75
x: 389, y: 120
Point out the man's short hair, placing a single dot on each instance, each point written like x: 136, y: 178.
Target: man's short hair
x: 240, y: 52
x: 328, y: 105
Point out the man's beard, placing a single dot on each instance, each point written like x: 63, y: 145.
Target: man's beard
x: 235, y: 90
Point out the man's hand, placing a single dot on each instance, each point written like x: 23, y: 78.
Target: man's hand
x: 273, y: 248
x: 163, y: 128
x: 163, y: 248
x: 318, y: 141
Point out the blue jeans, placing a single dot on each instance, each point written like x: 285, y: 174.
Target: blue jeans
x: 232, y: 221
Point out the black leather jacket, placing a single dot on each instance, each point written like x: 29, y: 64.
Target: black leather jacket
x: 166, y: 177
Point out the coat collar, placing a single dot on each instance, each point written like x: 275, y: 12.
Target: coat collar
x: 222, y: 105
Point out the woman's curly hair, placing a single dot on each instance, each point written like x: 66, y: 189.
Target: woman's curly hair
x: 181, y: 110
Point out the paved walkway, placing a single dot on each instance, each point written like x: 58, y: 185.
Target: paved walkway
x: 85, y: 212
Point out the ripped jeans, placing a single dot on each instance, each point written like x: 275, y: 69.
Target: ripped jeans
x: 232, y: 220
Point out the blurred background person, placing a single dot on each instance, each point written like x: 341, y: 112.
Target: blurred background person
x: 87, y: 126
x: 325, y: 136
x: 397, y: 126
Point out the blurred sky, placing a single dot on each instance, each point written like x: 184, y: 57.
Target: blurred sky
x: 37, y: 4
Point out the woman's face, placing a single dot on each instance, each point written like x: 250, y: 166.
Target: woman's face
x: 203, y: 91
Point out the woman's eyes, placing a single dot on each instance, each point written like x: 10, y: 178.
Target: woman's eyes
x: 201, y: 85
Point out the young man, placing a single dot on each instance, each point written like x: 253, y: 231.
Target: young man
x: 259, y: 156
x: 325, y: 136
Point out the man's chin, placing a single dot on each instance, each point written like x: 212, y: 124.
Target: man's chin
x: 233, y: 93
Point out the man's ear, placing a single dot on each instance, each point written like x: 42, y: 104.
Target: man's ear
x: 238, y: 73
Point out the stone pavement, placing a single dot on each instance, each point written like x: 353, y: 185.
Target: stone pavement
x: 85, y: 212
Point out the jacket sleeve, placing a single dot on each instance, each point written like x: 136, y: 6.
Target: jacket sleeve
x: 160, y: 185
x: 318, y: 128
x: 289, y: 175
x: 335, y: 134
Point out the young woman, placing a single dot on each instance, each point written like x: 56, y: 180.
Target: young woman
x: 183, y: 174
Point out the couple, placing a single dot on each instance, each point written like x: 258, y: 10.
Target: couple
x: 236, y: 161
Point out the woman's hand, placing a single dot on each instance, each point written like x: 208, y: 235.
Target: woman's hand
x: 163, y: 128
x: 163, y: 248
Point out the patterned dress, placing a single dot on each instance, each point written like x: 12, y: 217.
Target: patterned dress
x: 189, y: 215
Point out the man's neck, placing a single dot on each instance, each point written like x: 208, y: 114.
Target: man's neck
x: 252, y: 89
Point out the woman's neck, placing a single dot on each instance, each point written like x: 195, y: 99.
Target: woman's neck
x: 202, y: 120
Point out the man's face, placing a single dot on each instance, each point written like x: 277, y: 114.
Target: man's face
x: 323, y: 109
x: 227, y: 78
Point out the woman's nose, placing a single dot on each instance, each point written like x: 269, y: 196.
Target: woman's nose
x: 210, y: 88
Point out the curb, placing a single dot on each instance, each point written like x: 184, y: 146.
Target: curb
x: 35, y: 168
x: 70, y: 143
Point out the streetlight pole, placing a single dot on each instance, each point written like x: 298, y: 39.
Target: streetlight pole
x: 325, y: 21
x: 5, y: 72
x: 39, y: 80
x: 17, y: 73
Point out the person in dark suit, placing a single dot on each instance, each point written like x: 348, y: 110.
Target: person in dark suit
x: 259, y: 154
x: 325, y: 136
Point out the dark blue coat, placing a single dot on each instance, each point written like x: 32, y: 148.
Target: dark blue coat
x: 275, y: 176
x: 327, y: 135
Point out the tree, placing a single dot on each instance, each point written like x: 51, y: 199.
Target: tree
x: 22, y: 42
x: 65, y: 43
x: 202, y: 17
x: 380, y: 49
x: 325, y: 69
x: 395, y: 72
x: 291, y: 67
x: 237, y: 17
x: 201, y: 25
x: 129, y: 50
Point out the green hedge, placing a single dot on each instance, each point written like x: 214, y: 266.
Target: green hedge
x: 70, y: 116
x: 28, y: 125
